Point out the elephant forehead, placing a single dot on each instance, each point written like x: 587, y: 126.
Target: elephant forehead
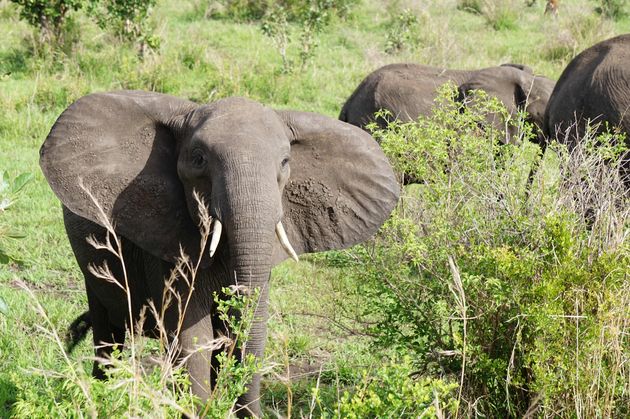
x: 240, y: 121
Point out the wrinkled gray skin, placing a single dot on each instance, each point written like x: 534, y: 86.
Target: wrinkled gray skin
x: 594, y: 86
x: 409, y: 91
x: 142, y: 154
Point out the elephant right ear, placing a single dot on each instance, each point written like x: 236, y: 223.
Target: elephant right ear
x: 120, y: 148
x: 341, y: 188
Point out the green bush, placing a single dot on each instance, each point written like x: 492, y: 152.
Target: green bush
x: 309, y: 17
x: 50, y: 17
x: 403, y: 31
x: 129, y: 20
x: 394, y: 390
x: 252, y: 10
x: 516, y: 293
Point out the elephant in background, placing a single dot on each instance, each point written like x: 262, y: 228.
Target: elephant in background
x: 409, y: 90
x: 594, y: 87
x: 276, y: 183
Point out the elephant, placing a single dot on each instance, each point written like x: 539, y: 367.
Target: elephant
x: 594, y: 87
x: 409, y: 90
x: 140, y: 158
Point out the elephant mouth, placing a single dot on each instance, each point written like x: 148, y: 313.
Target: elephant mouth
x: 281, y: 234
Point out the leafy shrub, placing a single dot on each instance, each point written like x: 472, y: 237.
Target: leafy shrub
x: 50, y: 17
x: 252, y: 10
x: 128, y: 19
x: 393, y: 390
x: 403, y: 31
x: 276, y: 27
x: 310, y: 17
x: 517, y: 294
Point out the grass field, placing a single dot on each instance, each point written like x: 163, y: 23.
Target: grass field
x: 319, y: 334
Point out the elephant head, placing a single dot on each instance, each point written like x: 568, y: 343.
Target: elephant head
x: 143, y: 154
x: 517, y: 88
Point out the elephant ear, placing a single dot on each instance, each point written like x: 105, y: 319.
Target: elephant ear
x: 118, y: 147
x: 504, y: 82
x: 341, y: 188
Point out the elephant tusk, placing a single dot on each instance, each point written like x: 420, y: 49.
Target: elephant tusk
x: 216, y: 236
x: 284, y: 241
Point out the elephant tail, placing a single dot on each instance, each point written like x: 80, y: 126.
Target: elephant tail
x: 77, y: 331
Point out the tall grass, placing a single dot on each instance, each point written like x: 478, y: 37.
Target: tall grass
x: 149, y: 379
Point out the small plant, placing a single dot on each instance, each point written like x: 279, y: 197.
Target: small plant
x: 10, y: 189
x: 310, y: 17
x: 276, y: 27
x: 313, y: 20
x: 128, y: 19
x: 50, y: 17
x: 403, y: 32
x: 500, y: 14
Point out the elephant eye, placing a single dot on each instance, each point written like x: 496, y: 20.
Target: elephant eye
x: 198, y: 158
x: 284, y: 163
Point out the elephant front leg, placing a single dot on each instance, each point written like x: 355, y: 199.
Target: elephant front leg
x: 248, y: 404
x: 106, y: 336
x: 196, y: 342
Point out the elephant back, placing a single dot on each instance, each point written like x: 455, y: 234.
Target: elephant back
x: 594, y: 87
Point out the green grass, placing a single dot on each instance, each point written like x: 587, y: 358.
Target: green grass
x: 204, y: 60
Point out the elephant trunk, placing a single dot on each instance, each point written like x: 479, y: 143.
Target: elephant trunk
x: 250, y: 213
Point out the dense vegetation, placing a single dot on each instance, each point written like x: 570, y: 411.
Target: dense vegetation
x: 480, y: 297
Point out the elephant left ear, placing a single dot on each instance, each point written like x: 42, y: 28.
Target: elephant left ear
x: 341, y: 188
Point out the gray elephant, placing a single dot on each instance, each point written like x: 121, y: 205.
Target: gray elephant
x: 409, y: 90
x: 310, y: 181
x: 594, y: 87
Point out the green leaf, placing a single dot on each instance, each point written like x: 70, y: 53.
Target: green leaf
x: 21, y: 181
x: 14, y: 235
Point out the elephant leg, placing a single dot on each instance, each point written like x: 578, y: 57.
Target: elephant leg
x: 249, y: 403
x: 195, y: 340
x: 106, y: 336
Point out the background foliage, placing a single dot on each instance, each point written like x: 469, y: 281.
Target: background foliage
x: 477, y: 297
